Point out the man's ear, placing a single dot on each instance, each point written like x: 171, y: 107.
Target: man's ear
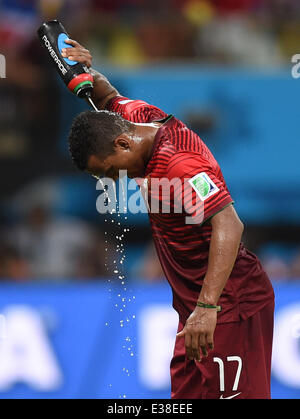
x: 122, y: 141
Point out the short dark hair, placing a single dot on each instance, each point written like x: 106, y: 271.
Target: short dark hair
x: 93, y: 133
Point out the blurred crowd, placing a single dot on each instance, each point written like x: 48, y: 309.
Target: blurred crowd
x: 40, y: 246
x: 135, y: 32
x: 127, y: 33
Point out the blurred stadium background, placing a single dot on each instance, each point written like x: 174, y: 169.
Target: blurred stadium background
x: 71, y: 325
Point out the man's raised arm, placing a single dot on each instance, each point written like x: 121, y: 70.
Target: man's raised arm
x: 103, y: 91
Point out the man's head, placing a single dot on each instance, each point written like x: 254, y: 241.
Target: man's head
x: 102, y: 143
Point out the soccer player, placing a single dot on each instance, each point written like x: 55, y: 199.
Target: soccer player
x: 223, y: 297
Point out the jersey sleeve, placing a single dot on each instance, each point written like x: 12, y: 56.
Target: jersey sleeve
x: 135, y: 110
x: 200, y: 187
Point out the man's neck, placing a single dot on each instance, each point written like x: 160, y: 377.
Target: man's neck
x: 145, y: 134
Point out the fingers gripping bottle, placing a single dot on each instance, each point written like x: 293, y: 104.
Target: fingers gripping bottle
x: 75, y: 75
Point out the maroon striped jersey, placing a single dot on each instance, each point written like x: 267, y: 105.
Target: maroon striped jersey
x: 185, y: 188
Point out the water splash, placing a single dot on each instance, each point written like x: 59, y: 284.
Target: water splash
x: 122, y: 300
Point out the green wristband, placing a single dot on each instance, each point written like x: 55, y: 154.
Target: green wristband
x: 203, y: 305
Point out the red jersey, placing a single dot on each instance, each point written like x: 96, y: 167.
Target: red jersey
x: 179, y: 223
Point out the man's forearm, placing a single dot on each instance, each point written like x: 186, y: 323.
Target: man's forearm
x: 225, y: 240
x: 200, y: 326
x: 103, y: 91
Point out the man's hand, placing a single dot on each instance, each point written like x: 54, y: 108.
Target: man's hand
x: 199, y: 332
x: 103, y: 91
x: 77, y: 53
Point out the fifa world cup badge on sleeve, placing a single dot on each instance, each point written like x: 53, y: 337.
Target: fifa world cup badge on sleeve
x: 203, y: 185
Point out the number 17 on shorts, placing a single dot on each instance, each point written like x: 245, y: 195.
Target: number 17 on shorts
x: 235, y: 385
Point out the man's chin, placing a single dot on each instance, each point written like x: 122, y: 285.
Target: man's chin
x: 130, y: 175
x: 136, y: 175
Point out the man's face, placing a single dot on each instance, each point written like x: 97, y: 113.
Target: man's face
x: 126, y: 156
